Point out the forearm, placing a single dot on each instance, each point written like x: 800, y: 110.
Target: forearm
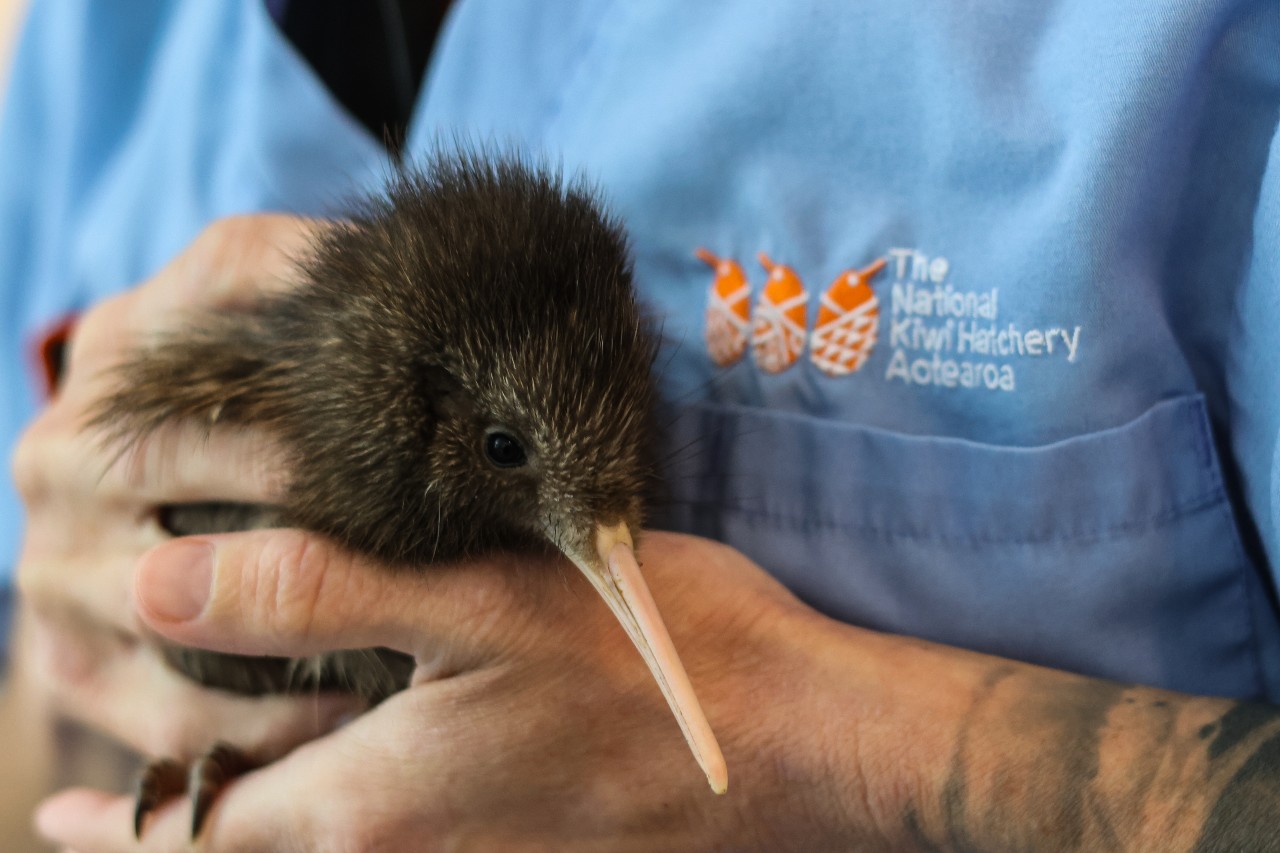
x: 959, y: 751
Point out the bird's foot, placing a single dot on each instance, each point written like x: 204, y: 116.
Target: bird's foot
x: 207, y: 777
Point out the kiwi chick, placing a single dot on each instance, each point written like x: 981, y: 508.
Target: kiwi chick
x: 464, y: 369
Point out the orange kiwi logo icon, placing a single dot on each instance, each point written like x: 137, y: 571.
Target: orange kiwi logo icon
x: 728, y: 310
x: 848, y: 323
x: 777, y: 335
x: 843, y: 336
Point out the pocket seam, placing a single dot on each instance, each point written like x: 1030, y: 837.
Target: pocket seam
x: 909, y: 510
x: 1207, y: 501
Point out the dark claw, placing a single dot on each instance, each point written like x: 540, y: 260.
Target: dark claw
x: 209, y: 776
x: 160, y: 781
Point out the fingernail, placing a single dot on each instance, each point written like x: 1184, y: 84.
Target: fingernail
x: 173, y: 580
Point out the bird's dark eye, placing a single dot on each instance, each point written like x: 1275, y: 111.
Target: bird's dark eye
x: 503, y: 450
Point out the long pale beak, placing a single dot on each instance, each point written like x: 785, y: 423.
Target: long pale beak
x: 613, y: 571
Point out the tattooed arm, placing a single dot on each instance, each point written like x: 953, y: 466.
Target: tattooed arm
x: 1009, y: 756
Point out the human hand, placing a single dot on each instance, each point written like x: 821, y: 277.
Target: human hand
x: 532, y: 723
x: 89, y: 518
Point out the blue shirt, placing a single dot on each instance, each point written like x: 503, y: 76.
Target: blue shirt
x: 1052, y: 434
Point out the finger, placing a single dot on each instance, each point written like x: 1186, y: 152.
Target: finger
x: 55, y: 462
x: 58, y: 461
x: 134, y: 696
x: 94, y: 821
x: 260, y: 817
x: 234, y: 261
x: 181, y: 463
x: 286, y: 592
x: 89, y: 820
x: 75, y: 595
x: 270, y: 809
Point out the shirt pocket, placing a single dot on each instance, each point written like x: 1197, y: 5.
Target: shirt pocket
x: 1114, y: 553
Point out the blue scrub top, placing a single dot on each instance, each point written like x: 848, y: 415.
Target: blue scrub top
x: 1045, y: 427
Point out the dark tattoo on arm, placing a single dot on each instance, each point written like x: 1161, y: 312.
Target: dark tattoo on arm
x: 1246, y: 816
x: 1048, y: 761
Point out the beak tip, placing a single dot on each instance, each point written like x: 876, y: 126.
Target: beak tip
x: 713, y: 765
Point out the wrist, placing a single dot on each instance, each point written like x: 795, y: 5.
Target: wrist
x: 829, y: 766
x: 893, y: 720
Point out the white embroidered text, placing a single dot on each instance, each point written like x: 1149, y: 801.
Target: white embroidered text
x: 945, y: 337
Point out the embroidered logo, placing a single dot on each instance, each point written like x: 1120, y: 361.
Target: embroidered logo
x: 728, y: 310
x: 848, y: 323
x: 940, y: 335
x: 778, y: 333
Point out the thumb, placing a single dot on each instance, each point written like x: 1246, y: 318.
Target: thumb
x: 293, y: 594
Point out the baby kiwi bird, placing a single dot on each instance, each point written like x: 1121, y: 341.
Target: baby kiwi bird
x: 463, y: 370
